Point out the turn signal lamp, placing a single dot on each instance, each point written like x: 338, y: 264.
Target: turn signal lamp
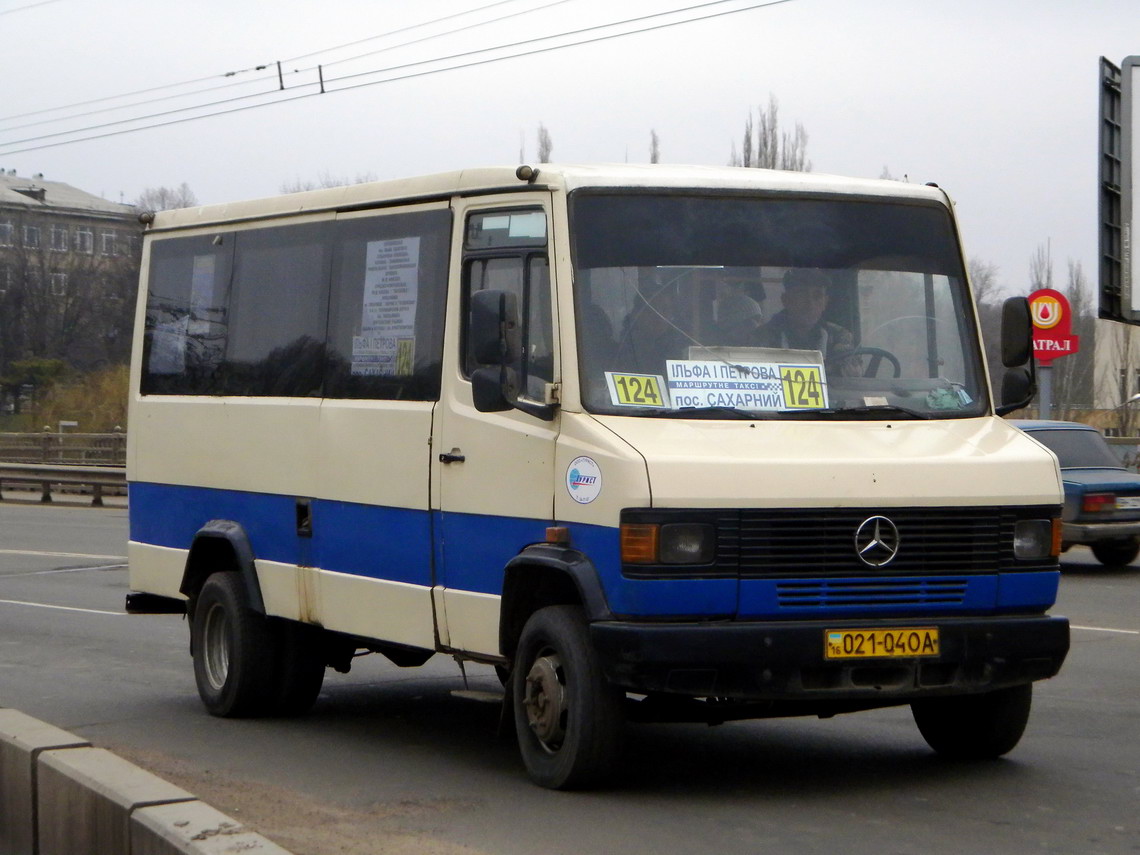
x: 639, y: 543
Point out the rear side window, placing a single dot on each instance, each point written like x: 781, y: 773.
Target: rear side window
x: 187, y: 316
x: 278, y: 312
x: 349, y: 309
x: 389, y: 292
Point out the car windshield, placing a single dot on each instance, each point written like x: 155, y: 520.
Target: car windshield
x: 1078, y: 449
x: 742, y: 306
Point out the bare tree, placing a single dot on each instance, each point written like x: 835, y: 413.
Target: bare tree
x: 166, y: 198
x: 545, y: 144
x: 654, y: 147
x: 1073, y: 375
x: 1041, y: 267
x: 987, y: 296
x: 765, y: 146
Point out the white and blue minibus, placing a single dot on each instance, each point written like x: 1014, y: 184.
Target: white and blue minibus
x: 659, y: 443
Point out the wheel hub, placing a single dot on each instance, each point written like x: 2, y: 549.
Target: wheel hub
x: 544, y: 701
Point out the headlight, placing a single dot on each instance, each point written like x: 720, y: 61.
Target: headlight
x: 1036, y: 539
x: 668, y: 543
x: 687, y: 543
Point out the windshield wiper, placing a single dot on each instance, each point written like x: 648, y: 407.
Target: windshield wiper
x: 872, y: 410
x: 700, y: 413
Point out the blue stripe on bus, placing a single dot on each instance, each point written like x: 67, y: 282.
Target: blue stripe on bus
x: 364, y: 540
x: 471, y: 550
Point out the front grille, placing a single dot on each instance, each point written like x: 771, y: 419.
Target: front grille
x: 845, y: 593
x: 932, y: 541
x: 819, y: 544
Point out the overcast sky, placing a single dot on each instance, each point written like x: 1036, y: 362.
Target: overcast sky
x: 995, y: 100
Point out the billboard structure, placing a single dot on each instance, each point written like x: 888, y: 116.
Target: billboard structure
x: 1119, y: 164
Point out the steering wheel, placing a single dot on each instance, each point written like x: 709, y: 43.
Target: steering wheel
x: 876, y: 354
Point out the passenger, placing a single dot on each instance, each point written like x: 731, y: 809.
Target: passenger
x: 651, y: 334
x: 738, y: 316
x: 800, y: 324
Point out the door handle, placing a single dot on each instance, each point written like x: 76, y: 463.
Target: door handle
x: 453, y: 456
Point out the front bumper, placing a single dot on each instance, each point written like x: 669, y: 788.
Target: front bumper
x: 784, y: 661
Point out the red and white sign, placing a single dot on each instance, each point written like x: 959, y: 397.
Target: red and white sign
x: 1052, y: 326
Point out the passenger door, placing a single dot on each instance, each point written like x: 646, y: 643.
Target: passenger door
x: 494, y: 472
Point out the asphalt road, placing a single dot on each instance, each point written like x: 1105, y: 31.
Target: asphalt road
x: 392, y: 761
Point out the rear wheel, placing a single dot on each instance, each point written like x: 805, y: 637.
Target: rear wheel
x: 246, y: 664
x: 1116, y: 553
x: 975, y: 727
x: 567, y: 717
x: 233, y: 650
x: 299, y: 669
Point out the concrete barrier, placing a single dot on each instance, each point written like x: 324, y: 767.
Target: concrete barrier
x: 22, y: 740
x: 61, y: 796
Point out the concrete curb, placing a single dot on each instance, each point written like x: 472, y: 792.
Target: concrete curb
x: 61, y: 796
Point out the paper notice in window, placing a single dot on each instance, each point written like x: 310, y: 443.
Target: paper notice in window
x: 387, y: 343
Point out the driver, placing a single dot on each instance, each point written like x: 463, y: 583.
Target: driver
x: 800, y: 324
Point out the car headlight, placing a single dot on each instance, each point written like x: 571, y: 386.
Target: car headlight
x: 1037, y: 539
x: 668, y: 543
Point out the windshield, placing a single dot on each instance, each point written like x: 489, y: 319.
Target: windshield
x: 739, y: 306
x: 1078, y: 449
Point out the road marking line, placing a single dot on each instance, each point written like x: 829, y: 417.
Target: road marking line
x: 1106, y: 629
x: 63, y: 570
x: 61, y: 608
x: 62, y: 554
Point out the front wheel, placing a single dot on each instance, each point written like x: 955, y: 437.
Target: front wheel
x: 975, y: 727
x: 567, y: 717
x: 1116, y: 553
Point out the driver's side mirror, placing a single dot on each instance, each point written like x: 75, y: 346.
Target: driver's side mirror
x: 1019, y: 384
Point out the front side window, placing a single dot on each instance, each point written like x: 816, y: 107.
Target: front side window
x: 752, y: 307
x: 507, y: 251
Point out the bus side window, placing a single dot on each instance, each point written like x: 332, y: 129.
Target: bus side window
x: 389, y: 290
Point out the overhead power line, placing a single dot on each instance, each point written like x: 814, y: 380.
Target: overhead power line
x: 465, y: 59
x: 263, y: 66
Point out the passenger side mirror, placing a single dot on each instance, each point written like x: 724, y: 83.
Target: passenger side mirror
x: 1016, y: 332
x: 494, y: 329
x: 495, y: 340
x: 1019, y: 384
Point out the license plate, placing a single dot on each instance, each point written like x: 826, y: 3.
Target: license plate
x: 904, y: 643
x: 1127, y: 503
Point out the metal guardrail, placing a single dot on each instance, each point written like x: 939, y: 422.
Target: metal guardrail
x: 101, y: 449
x: 52, y: 475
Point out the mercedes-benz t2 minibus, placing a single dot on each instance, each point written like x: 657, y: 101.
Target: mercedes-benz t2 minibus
x: 659, y: 443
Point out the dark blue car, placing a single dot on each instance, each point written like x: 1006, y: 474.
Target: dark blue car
x: 1102, y: 498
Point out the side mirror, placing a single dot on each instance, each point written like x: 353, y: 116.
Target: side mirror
x: 494, y: 327
x: 1019, y: 384
x: 1018, y: 387
x: 1016, y: 332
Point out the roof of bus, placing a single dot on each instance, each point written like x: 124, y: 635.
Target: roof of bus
x: 550, y: 176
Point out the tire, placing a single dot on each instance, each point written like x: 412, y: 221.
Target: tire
x: 1116, y: 553
x: 975, y: 727
x: 568, y: 719
x: 234, y: 650
x: 298, y: 669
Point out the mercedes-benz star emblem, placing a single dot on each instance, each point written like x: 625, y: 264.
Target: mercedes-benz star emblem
x: 876, y: 541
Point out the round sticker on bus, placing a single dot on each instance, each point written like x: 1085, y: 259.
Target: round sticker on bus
x: 583, y: 480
